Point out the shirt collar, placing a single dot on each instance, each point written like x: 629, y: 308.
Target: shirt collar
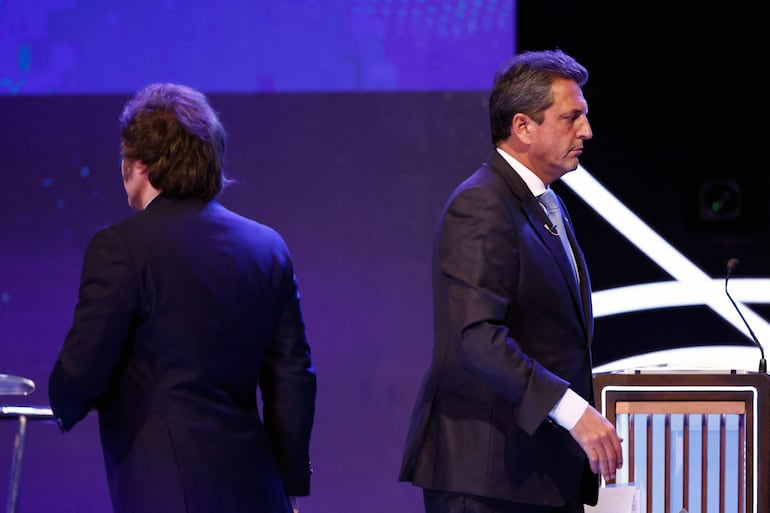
x: 535, y: 184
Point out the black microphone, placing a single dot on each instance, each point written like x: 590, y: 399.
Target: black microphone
x: 731, y: 265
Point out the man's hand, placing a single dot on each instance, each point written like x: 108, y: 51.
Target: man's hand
x: 601, y: 443
x: 294, y: 504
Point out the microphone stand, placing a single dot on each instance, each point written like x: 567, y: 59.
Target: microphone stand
x: 732, y: 264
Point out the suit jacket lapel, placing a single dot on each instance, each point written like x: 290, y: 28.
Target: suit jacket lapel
x: 539, y: 220
x: 582, y: 268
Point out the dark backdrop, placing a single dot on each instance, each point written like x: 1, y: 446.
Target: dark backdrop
x: 678, y: 114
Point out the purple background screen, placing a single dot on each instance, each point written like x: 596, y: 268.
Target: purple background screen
x: 97, y: 46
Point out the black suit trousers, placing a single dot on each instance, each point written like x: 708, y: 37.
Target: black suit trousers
x: 448, y: 502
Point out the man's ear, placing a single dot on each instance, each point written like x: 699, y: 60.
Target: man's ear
x: 140, y: 167
x: 521, y: 125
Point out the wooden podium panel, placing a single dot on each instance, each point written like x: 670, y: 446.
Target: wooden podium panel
x: 657, y: 413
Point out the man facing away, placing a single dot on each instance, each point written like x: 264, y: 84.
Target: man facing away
x: 185, y: 312
x: 504, y: 421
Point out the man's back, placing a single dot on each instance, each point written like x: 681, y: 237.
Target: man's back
x: 193, y: 304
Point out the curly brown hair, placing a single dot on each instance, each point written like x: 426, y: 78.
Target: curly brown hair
x: 173, y: 130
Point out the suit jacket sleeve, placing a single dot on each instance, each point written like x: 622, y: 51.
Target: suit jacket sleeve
x: 94, y: 345
x: 288, y: 385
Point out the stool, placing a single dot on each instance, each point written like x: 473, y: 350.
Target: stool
x: 15, y: 385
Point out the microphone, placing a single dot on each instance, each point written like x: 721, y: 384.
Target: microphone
x: 731, y: 265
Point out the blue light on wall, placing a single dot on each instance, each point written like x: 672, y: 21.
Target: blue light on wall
x: 96, y: 46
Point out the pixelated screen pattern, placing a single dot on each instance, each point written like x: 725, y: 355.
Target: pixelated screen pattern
x: 97, y: 46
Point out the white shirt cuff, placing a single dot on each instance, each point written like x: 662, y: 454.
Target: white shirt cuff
x: 569, y: 409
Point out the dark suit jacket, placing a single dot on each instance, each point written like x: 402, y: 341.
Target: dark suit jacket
x: 186, y: 309
x: 512, y: 332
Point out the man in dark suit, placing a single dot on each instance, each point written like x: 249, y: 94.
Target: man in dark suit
x: 504, y: 420
x: 185, y: 311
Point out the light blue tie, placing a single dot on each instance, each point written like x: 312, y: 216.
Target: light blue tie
x: 551, y: 203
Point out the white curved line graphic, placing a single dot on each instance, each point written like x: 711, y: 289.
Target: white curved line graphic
x: 691, y: 286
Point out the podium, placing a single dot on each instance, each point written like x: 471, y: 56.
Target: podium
x: 696, y: 440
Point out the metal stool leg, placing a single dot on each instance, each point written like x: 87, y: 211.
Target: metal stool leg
x: 18, y: 457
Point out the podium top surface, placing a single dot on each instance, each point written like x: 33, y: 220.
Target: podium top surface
x: 15, y: 385
x: 695, y: 359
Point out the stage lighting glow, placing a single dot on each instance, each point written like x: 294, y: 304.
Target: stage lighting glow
x: 690, y: 285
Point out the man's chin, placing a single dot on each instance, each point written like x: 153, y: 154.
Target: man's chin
x: 575, y: 161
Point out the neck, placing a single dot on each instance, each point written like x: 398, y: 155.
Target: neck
x: 148, y: 198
